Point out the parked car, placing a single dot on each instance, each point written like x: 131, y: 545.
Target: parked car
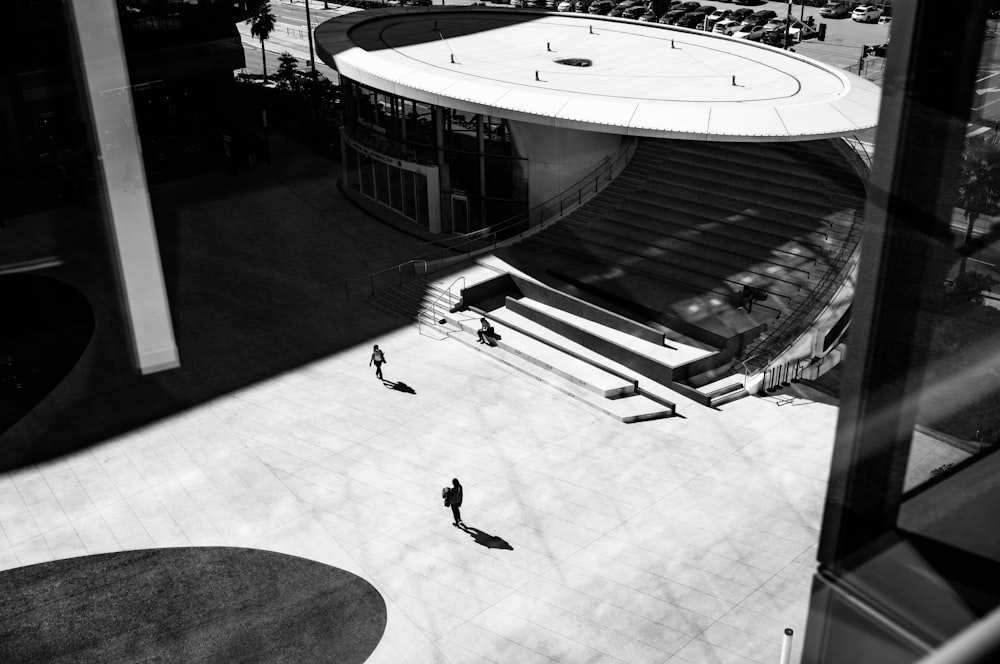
x: 688, y: 6
x: 761, y: 17
x: 750, y: 32
x: 672, y: 16
x: 774, y: 33
x: 691, y: 20
x: 649, y: 16
x: 775, y: 24
x: 885, y: 20
x: 741, y: 14
x: 601, y: 7
x: 582, y: 6
x: 866, y: 14
x: 635, y: 11
x: 806, y: 30
x: 834, y: 10
x: 717, y: 16
x: 727, y: 26
x: 621, y: 7
x: 704, y: 10
x: 565, y: 6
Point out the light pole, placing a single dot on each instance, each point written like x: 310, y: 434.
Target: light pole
x: 309, y: 32
x: 788, y: 24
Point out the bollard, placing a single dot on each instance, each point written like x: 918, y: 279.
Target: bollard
x: 734, y: 79
x: 548, y: 46
x: 591, y: 29
x: 536, y: 76
x: 672, y: 44
x: 452, y: 58
x: 786, y: 646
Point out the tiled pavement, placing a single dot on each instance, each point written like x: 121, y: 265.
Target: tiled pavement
x: 682, y: 540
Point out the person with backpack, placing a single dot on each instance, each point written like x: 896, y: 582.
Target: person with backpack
x: 453, y: 499
x: 378, y: 359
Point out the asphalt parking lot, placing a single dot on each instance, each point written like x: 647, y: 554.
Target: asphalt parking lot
x: 844, y: 38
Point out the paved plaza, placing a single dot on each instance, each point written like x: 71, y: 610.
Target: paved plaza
x: 681, y: 540
x: 690, y: 539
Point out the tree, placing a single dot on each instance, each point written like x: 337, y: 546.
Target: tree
x: 979, y: 181
x: 261, y: 20
x: 286, y: 72
x: 972, y: 287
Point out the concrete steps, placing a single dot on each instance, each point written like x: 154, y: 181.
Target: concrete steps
x: 599, y: 388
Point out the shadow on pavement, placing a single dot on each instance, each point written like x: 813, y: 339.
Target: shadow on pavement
x: 485, y: 539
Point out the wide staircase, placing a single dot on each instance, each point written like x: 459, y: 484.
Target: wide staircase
x: 670, y: 246
x: 674, y: 240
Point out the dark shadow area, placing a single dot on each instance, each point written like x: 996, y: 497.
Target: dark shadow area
x: 44, y: 327
x: 254, y: 268
x: 394, y: 28
x: 485, y: 539
x: 399, y: 386
x: 188, y: 605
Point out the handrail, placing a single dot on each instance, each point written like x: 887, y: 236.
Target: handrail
x: 374, y: 276
x: 792, y: 325
x: 447, y: 292
x: 515, y: 227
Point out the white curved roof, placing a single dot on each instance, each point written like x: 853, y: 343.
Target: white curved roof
x: 645, y: 80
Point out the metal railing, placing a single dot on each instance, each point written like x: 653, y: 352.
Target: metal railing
x: 451, y: 303
x: 469, y: 245
x: 798, y: 321
x: 396, y: 275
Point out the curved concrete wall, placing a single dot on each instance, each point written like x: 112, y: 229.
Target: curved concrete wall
x: 558, y: 157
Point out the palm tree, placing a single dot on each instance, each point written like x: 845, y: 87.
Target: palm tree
x: 979, y: 181
x: 261, y: 20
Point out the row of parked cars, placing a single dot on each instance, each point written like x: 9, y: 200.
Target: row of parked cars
x: 764, y: 25
x: 742, y: 23
x: 696, y: 15
x: 862, y: 13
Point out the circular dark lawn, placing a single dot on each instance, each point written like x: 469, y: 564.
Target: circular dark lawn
x: 45, y: 325
x: 188, y: 605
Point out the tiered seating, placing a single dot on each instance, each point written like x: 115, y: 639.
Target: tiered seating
x: 680, y: 232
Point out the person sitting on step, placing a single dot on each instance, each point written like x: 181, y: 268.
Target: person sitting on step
x: 486, y: 333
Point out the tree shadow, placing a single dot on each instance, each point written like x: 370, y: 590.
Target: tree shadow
x: 399, y: 386
x: 485, y: 539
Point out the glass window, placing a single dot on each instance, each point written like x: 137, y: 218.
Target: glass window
x: 395, y: 189
x: 366, y: 175
x: 382, y: 182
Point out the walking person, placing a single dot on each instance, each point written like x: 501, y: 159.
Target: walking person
x: 378, y: 359
x: 454, y: 500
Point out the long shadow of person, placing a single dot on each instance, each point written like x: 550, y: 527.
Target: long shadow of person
x: 399, y: 386
x: 485, y: 539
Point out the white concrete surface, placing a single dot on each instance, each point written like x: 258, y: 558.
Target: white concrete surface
x: 645, y: 80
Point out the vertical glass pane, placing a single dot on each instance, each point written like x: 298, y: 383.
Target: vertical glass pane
x: 421, y: 199
x: 366, y: 175
x: 409, y: 194
x: 351, y: 167
x: 395, y: 188
x: 382, y: 182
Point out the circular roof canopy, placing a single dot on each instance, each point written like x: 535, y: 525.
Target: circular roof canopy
x: 597, y: 74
